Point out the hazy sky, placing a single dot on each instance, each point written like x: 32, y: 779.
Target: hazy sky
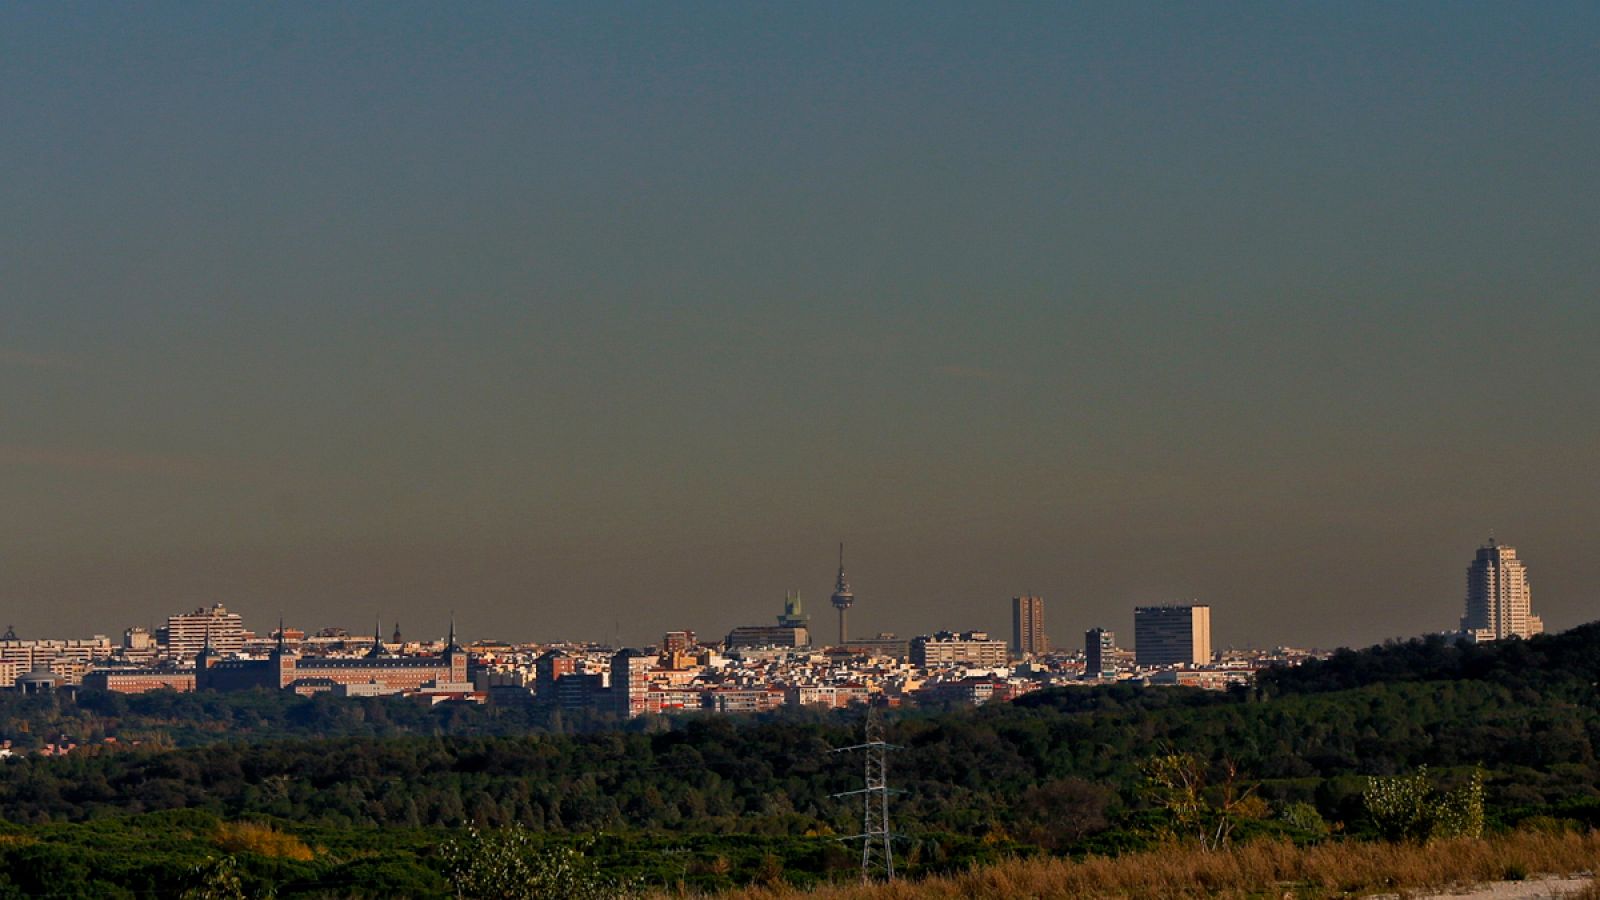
x: 591, y: 316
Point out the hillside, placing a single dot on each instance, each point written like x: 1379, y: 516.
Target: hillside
x: 1058, y: 771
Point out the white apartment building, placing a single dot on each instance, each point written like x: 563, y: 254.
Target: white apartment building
x: 1499, y: 604
x: 187, y: 633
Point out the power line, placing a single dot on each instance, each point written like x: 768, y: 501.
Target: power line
x: 877, y: 839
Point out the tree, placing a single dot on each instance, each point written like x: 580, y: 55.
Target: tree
x: 1062, y: 812
x: 1181, y: 784
x: 216, y: 879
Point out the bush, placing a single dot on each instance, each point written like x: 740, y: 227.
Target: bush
x: 507, y: 864
x: 1407, y: 808
x: 263, y: 840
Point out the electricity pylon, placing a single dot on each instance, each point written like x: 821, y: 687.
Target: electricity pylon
x: 877, y: 840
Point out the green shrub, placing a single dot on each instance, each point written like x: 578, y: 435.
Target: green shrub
x: 507, y: 864
x: 1408, y: 808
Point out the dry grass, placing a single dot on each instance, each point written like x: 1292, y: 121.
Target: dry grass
x: 1261, y: 869
x: 264, y: 840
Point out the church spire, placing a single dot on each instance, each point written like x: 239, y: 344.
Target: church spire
x: 450, y: 644
x: 377, y: 639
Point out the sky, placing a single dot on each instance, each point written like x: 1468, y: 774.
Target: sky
x: 591, y: 321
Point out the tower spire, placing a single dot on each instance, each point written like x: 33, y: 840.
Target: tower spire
x: 280, y: 635
x: 377, y: 638
x: 843, y: 598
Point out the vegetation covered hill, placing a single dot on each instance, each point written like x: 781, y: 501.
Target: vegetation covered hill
x: 1057, y: 771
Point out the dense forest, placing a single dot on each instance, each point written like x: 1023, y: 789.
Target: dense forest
x: 720, y: 800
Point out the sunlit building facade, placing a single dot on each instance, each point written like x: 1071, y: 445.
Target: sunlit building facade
x: 1499, y: 604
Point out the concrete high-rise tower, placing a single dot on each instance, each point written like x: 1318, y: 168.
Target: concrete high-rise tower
x: 1176, y: 635
x: 1498, y: 601
x: 1099, y: 649
x: 843, y: 598
x: 1027, y: 626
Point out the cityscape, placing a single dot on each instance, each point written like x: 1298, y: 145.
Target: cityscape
x: 518, y: 450
x: 754, y: 668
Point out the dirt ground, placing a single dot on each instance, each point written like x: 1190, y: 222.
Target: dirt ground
x: 1538, y: 888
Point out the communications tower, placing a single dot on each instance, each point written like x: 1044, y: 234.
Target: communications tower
x: 843, y: 598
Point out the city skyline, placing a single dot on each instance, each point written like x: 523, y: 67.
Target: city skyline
x: 567, y: 319
x: 1497, y: 592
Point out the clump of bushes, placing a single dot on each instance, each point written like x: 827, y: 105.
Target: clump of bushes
x: 263, y: 840
x: 1409, y: 808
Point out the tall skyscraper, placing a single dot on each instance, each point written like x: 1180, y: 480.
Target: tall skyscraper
x: 1178, y: 635
x: 843, y: 598
x: 1027, y: 626
x: 1498, y: 601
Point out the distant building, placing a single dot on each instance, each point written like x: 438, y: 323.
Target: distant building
x: 791, y: 630
x: 1177, y: 635
x: 885, y: 644
x: 738, y: 700
x: 39, y: 680
x: 547, y: 669
x: 678, y: 650
x: 138, y: 639
x: 67, y: 658
x: 1499, y: 604
x: 747, y: 637
x: 794, y: 614
x: 678, y: 642
x: 972, y: 691
x: 581, y: 690
x: 833, y: 696
x: 630, y: 682
x: 1099, y: 653
x: 138, y: 681
x: 969, y: 648
x: 1027, y: 626
x: 189, y: 633
x: 284, y: 669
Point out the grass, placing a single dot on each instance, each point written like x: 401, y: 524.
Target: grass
x: 1267, y: 868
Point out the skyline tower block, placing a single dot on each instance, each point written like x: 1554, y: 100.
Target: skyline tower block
x: 187, y: 634
x: 843, y: 598
x: 1499, y: 604
x: 1177, y: 635
x: 1099, y: 647
x: 1027, y: 626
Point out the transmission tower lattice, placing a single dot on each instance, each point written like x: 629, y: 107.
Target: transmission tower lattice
x: 877, y: 840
